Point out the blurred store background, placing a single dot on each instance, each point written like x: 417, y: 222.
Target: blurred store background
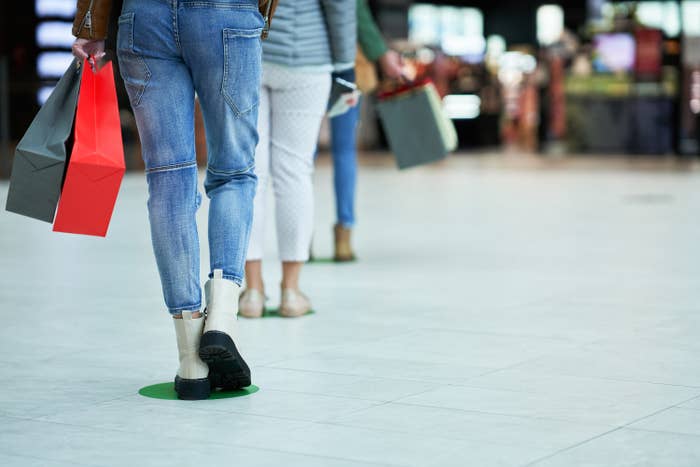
x: 531, y: 76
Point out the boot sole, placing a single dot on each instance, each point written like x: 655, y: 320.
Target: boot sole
x: 227, y: 369
x: 192, y: 389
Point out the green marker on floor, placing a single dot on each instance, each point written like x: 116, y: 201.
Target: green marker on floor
x: 166, y: 391
x: 274, y: 313
x: 329, y: 261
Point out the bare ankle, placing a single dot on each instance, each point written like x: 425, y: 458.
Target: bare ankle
x: 195, y: 315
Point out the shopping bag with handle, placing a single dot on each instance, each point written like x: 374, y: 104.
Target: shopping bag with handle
x: 40, y: 157
x: 96, y: 166
x: 417, y: 128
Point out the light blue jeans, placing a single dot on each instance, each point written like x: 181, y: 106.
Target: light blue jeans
x: 168, y: 50
x: 344, y: 150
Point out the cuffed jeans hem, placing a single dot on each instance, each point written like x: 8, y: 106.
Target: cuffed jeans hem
x: 185, y: 309
x: 346, y: 225
x: 229, y: 277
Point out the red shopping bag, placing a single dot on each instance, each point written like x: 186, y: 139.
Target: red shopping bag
x: 96, y: 165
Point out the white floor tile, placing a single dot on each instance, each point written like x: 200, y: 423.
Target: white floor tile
x: 611, y: 406
x: 333, y: 384
x: 674, y: 420
x: 378, y: 366
x: 542, y: 434
x: 631, y: 448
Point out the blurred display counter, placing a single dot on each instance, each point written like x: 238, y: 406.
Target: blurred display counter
x: 615, y: 114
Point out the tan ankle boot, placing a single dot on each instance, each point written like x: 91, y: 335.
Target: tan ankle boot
x: 343, y: 248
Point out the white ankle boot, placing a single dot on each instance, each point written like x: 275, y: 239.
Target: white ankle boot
x: 227, y: 369
x: 191, y: 382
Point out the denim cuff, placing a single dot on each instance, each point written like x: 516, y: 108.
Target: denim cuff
x: 182, y: 309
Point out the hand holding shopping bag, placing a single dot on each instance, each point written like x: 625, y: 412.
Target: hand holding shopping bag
x: 40, y: 158
x: 96, y: 165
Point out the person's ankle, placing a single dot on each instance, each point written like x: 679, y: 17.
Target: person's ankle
x: 195, y: 315
x: 257, y: 287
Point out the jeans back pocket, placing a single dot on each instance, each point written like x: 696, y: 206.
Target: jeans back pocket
x: 133, y: 67
x: 242, y: 69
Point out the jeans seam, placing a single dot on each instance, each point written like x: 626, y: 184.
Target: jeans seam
x: 171, y: 167
x: 176, y: 32
x: 225, y: 173
x: 219, y: 5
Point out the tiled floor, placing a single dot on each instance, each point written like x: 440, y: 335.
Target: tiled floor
x: 504, y: 312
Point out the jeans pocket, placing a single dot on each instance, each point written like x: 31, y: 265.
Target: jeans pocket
x: 133, y: 67
x: 242, y: 69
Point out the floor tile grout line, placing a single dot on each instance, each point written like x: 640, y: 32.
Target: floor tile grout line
x: 657, y: 412
x: 368, y: 376
x: 257, y: 414
x: 573, y: 375
x: 696, y: 409
x: 568, y: 448
x: 377, y: 378
x: 470, y: 384
x: 562, y: 340
x: 353, y: 412
x: 665, y: 432
x: 22, y: 456
x: 690, y: 400
x: 413, y: 433
x: 621, y: 427
x: 215, y: 443
x: 502, y: 414
x: 78, y: 406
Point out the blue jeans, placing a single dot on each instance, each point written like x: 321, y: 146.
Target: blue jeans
x: 344, y: 149
x: 168, y: 50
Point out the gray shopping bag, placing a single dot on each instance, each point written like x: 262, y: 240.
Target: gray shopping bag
x: 416, y: 126
x: 40, y: 158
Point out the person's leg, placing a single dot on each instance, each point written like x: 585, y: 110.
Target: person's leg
x: 298, y: 102
x: 227, y: 75
x: 344, y: 148
x: 222, y: 46
x: 252, y: 302
x: 254, y: 279
x: 162, y: 96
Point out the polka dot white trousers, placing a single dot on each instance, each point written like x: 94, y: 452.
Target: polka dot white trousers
x: 292, y: 105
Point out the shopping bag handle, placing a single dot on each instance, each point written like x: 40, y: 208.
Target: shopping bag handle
x: 394, y: 88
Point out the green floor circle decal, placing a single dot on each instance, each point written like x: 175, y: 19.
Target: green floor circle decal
x: 329, y: 261
x: 166, y: 391
x: 274, y: 313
